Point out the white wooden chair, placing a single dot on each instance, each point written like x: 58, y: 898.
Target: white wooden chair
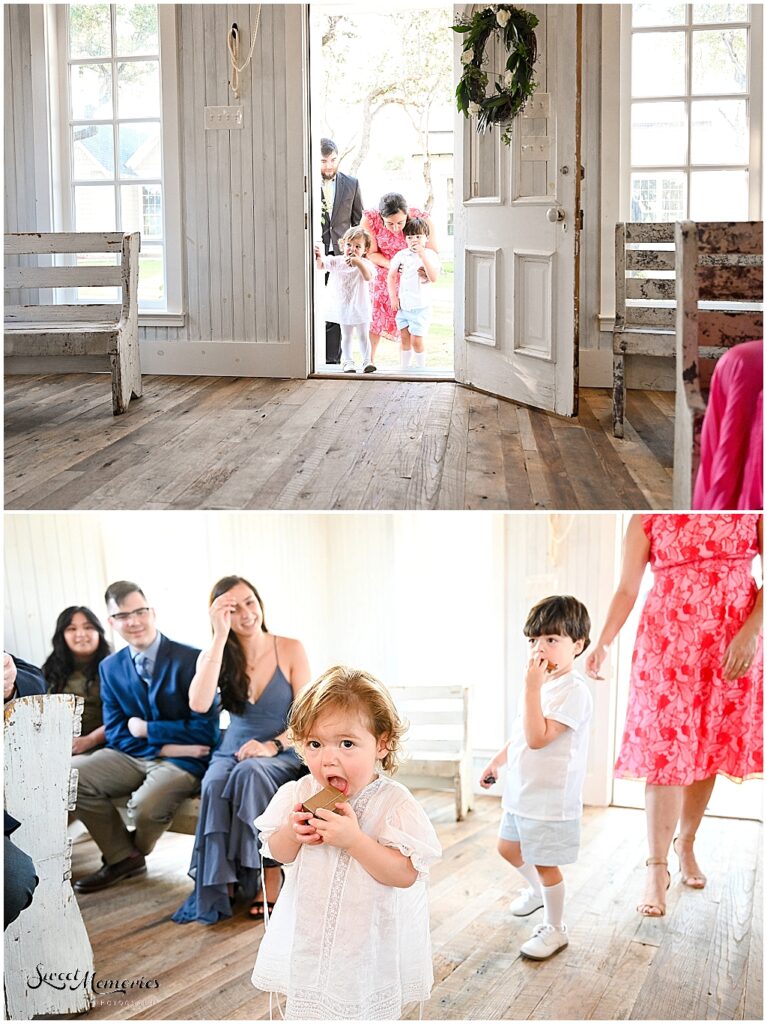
x: 40, y: 787
x: 437, y: 742
x: 102, y: 335
x: 644, y: 301
x: 720, y: 288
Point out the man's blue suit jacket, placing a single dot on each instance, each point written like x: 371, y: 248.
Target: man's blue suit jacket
x: 163, y: 704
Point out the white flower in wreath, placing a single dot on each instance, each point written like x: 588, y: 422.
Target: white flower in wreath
x: 467, y: 57
x: 474, y: 109
x: 502, y: 17
x: 508, y: 80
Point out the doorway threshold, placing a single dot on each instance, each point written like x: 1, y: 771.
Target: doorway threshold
x: 412, y: 376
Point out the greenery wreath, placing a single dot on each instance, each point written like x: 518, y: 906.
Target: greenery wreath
x: 514, y: 87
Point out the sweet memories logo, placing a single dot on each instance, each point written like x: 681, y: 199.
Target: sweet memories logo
x: 76, y: 979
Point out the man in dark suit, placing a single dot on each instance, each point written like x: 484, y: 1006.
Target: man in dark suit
x: 341, y: 210
x: 157, y: 747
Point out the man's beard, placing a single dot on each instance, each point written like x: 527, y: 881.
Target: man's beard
x: 328, y: 177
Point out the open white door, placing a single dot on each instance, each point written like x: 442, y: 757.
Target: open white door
x: 517, y: 225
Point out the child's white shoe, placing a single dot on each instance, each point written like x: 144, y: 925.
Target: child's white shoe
x: 544, y: 942
x: 348, y: 366
x: 526, y: 903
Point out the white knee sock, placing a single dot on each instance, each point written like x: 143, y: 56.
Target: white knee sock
x: 419, y: 359
x: 404, y: 356
x: 530, y: 875
x: 553, y: 904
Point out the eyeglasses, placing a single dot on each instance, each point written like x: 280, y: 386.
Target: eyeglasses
x: 140, y: 613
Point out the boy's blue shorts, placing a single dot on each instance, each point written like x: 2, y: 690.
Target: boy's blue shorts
x: 547, y: 843
x: 416, y: 320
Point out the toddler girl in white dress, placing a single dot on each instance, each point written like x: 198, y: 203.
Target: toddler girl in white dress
x: 347, y: 297
x: 349, y: 936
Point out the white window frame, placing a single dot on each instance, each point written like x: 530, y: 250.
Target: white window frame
x: 50, y: 87
x: 753, y: 97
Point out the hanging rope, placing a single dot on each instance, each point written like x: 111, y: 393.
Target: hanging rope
x: 233, y: 46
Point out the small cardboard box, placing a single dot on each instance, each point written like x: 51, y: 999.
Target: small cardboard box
x: 327, y: 798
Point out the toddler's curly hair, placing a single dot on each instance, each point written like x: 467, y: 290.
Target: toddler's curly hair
x: 349, y: 689
x: 358, y: 232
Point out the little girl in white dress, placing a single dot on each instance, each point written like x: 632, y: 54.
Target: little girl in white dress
x: 349, y: 936
x: 347, y: 296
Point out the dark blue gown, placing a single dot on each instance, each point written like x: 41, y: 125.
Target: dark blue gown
x: 234, y: 793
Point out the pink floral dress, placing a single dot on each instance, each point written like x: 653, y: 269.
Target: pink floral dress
x: 389, y: 244
x: 685, y: 721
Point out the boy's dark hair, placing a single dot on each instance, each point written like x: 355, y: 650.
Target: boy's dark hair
x: 118, y: 591
x: 560, y: 615
x: 327, y: 146
x: 416, y: 226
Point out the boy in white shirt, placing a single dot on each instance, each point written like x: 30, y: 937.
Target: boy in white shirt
x: 546, y: 758
x: 413, y: 300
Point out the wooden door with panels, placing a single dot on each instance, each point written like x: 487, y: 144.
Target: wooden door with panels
x: 517, y: 231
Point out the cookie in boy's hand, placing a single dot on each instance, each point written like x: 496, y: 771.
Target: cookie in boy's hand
x: 327, y: 798
x: 489, y: 779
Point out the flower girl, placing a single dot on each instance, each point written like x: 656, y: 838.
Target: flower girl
x: 349, y: 936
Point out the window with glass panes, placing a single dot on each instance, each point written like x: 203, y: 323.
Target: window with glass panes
x: 115, y: 139
x: 689, y: 112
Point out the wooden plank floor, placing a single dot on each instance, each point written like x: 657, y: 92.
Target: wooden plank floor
x: 232, y: 443
x: 702, y: 961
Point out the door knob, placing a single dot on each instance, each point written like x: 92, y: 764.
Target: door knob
x: 555, y: 213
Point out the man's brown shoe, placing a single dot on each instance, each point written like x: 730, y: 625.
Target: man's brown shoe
x: 111, y: 874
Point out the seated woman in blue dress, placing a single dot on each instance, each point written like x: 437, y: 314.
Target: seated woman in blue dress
x: 258, y: 675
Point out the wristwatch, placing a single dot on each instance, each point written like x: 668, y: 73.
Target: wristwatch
x: 279, y: 745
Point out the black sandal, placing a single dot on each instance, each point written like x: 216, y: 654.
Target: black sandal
x: 256, y: 910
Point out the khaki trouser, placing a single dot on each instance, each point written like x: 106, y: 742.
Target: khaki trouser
x: 156, y: 789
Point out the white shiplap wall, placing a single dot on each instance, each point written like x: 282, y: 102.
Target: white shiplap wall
x: 242, y: 190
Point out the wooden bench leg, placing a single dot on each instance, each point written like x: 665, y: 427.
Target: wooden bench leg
x: 619, y: 393
x: 463, y: 794
x: 126, y: 375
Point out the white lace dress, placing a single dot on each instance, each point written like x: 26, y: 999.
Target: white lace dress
x: 347, y: 295
x: 340, y: 945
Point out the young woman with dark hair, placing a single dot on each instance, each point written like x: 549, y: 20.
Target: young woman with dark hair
x: 79, y: 647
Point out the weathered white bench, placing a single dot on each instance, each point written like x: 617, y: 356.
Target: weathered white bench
x: 644, y: 301
x: 102, y: 335
x: 437, y: 741
x: 720, y: 288
x: 40, y: 787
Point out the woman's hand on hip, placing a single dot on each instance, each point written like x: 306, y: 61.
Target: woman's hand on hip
x: 740, y: 653
x: 254, y: 748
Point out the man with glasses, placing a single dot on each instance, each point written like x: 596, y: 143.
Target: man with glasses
x: 157, y: 748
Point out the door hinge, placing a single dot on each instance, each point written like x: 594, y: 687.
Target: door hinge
x: 474, y: 189
x: 304, y: 183
x: 580, y: 220
x: 306, y: 222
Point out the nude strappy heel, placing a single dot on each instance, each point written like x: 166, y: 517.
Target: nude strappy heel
x: 646, y: 908
x: 691, y: 881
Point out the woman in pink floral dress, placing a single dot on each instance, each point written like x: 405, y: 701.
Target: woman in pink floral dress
x: 695, y: 701
x: 385, y: 226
